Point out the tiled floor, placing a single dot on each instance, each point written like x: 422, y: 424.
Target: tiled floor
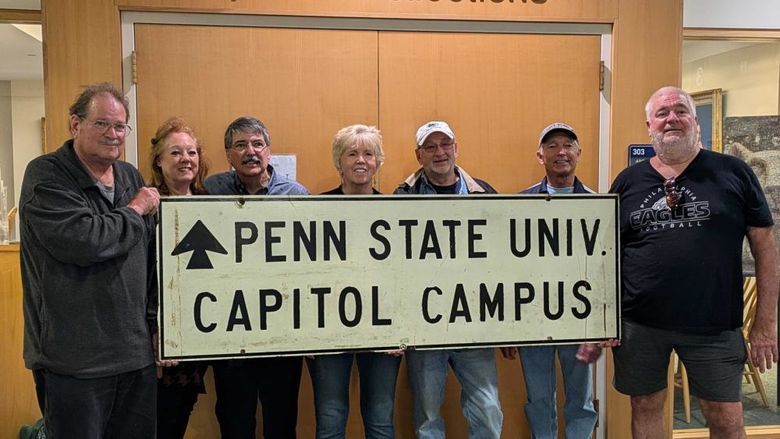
x: 754, y: 411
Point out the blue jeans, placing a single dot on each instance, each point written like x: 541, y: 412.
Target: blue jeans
x: 540, y: 383
x: 330, y: 375
x: 476, y: 372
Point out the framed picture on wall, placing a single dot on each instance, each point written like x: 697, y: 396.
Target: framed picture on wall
x: 709, y: 110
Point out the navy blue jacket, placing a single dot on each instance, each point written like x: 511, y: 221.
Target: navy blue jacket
x: 541, y: 188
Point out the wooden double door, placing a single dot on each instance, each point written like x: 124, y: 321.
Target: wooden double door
x: 497, y: 91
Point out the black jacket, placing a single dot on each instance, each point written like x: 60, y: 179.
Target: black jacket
x: 89, y: 297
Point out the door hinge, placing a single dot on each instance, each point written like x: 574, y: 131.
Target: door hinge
x: 596, y: 408
x: 602, y: 72
x: 134, y: 67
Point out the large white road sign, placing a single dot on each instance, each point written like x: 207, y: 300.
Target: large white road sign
x: 255, y: 276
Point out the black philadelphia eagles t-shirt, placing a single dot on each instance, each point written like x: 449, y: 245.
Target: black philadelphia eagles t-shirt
x: 682, y: 268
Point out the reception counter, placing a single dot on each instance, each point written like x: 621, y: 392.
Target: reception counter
x: 18, y: 404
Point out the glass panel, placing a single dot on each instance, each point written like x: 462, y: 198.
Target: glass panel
x: 21, y: 110
x: 747, y: 73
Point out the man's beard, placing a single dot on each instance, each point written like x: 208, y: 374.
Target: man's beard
x: 677, y: 147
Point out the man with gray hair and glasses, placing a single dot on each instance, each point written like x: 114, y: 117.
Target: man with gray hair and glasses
x: 274, y: 381
x: 683, y: 216
x: 90, y: 301
x: 248, y: 150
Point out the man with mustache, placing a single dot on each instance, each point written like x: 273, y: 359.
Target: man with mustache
x: 475, y: 368
x: 275, y: 381
x: 90, y: 302
x: 558, y: 151
x: 684, y: 214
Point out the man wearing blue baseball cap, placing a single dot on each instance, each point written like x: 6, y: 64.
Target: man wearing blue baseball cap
x: 558, y: 151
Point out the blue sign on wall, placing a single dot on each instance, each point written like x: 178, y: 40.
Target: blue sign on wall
x: 639, y: 152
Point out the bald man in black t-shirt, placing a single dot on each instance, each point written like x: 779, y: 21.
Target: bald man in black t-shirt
x: 684, y: 215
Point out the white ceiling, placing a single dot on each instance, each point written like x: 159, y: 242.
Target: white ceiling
x: 22, y: 53
x: 694, y: 50
x: 20, y: 45
x: 20, y: 4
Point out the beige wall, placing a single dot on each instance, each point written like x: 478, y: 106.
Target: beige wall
x: 21, y: 109
x: 749, y: 77
x: 26, y: 113
x: 6, y: 139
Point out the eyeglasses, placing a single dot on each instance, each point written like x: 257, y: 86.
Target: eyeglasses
x: 431, y: 148
x: 673, y: 194
x: 103, y: 126
x: 242, y: 145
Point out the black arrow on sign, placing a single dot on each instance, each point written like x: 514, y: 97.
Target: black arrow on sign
x: 199, y: 240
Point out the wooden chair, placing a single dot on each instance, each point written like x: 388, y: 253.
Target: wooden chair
x: 681, y: 381
x: 751, y: 372
x: 748, y: 317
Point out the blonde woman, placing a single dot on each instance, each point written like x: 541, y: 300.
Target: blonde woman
x: 357, y: 155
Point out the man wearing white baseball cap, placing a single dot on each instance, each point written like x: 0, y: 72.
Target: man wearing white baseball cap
x: 558, y: 151
x: 436, y: 151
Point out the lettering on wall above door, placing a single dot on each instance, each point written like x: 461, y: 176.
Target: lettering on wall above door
x: 538, y: 2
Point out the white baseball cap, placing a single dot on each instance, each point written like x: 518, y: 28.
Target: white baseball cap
x: 434, y: 126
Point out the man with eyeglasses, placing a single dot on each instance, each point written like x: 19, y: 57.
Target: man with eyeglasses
x: 274, y: 381
x: 684, y: 214
x: 90, y: 301
x: 248, y: 150
x: 436, y: 152
x: 558, y: 151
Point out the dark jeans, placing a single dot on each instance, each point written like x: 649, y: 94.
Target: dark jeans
x: 117, y: 407
x: 177, y: 393
x: 39, y: 376
x: 239, y: 384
